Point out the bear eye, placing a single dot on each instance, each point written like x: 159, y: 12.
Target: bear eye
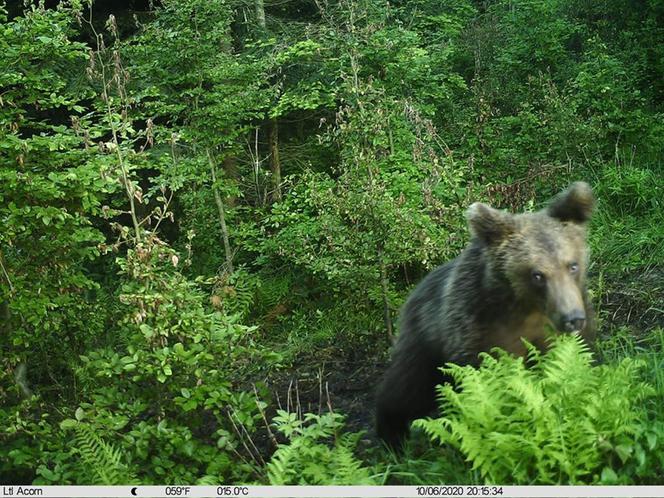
x: 573, y: 267
x: 538, y: 277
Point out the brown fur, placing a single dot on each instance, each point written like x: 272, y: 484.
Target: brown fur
x: 511, y: 335
x: 521, y: 277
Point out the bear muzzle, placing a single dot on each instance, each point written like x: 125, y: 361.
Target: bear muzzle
x: 572, y: 322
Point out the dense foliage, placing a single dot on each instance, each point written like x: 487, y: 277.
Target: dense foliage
x: 562, y: 421
x: 202, y: 200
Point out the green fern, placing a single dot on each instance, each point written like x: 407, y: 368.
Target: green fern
x: 102, y: 463
x: 240, y: 293
x: 563, y: 421
x: 308, y: 459
x: 275, y: 289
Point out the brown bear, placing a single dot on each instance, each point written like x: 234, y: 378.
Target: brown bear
x: 519, y: 277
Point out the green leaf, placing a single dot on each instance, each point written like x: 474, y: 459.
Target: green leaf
x: 68, y: 423
x: 46, y: 473
x: 624, y: 451
x: 652, y: 440
x: 608, y: 476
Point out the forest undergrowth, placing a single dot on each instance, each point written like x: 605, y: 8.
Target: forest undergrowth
x: 212, y: 211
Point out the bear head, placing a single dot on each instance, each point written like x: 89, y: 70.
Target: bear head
x: 541, y: 256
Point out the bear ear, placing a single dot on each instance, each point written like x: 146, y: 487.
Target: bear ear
x: 574, y: 204
x: 488, y: 224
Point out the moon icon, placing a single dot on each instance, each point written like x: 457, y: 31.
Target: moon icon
x: 133, y: 491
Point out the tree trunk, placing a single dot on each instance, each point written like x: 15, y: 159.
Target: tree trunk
x: 222, y: 214
x: 275, y: 164
x: 260, y: 13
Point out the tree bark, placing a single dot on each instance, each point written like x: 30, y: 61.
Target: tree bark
x: 275, y: 164
x: 260, y: 13
x: 222, y: 214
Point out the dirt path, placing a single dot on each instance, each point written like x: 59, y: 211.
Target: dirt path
x: 342, y: 386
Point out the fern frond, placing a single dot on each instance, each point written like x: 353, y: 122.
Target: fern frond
x: 102, y: 461
x: 541, y: 425
x: 310, y: 459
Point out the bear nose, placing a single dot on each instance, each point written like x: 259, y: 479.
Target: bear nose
x: 574, y: 321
